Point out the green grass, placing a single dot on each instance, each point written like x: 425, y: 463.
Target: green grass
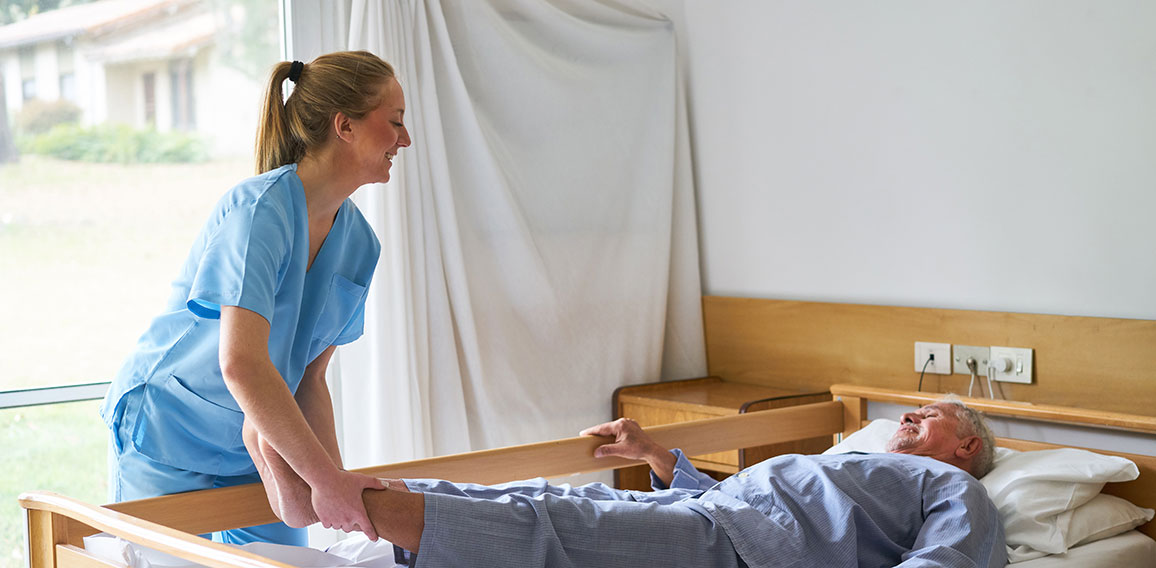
x: 61, y: 448
x: 87, y: 252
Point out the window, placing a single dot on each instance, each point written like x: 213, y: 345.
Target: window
x: 68, y: 87
x: 66, y: 70
x: 149, y: 83
x: 181, y: 86
x: 94, y: 226
x: 27, y: 65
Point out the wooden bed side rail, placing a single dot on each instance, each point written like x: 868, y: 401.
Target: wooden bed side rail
x: 246, y: 505
x: 1015, y: 409
x: 54, y: 520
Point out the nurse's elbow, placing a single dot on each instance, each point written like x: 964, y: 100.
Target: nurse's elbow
x: 236, y: 367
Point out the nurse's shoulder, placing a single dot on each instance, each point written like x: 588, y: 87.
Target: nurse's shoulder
x: 275, y: 196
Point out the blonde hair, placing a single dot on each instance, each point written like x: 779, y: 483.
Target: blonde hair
x: 349, y: 82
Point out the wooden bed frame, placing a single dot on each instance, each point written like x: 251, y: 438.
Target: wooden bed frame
x: 57, y: 524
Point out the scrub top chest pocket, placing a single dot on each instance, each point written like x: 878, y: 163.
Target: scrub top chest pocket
x: 341, y: 314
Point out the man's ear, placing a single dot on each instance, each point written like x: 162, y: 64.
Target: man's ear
x: 969, y: 447
x: 343, y: 127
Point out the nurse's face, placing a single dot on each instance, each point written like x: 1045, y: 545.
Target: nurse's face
x: 380, y: 134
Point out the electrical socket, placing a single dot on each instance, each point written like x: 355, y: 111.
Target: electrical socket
x: 1020, y: 368
x: 960, y: 353
x: 942, y: 363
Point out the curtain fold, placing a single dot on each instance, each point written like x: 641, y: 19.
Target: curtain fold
x: 539, y: 237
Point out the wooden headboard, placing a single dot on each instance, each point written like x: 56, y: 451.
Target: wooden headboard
x: 1087, y: 362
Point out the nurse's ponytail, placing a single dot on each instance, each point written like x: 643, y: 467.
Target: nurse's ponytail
x: 349, y: 82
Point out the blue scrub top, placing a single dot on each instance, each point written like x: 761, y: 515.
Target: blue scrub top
x: 252, y: 253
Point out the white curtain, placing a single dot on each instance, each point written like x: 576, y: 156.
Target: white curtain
x: 539, y: 236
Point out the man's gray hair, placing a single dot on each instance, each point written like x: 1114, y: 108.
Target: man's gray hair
x: 972, y: 423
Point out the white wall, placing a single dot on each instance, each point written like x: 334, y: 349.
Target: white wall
x: 983, y: 155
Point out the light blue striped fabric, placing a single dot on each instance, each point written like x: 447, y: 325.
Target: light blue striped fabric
x: 848, y: 510
x: 858, y: 510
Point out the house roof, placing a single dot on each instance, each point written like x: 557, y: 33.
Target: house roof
x: 171, y: 38
x: 94, y: 17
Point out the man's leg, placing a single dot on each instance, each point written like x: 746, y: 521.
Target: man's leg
x: 539, y: 486
x: 517, y: 530
x: 397, y: 514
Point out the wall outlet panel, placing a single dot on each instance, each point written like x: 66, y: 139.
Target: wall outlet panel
x: 1021, y: 367
x: 959, y: 355
x: 942, y: 363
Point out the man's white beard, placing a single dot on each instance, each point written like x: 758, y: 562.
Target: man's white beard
x: 901, y: 441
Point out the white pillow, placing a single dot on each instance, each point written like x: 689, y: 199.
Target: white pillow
x: 1032, y: 489
x: 871, y: 439
x: 1100, y: 518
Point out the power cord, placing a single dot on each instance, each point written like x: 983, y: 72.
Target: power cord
x: 930, y: 359
x: 973, y: 366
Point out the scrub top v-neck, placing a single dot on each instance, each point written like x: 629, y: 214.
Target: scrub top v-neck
x: 252, y: 253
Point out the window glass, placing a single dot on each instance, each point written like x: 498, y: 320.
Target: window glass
x: 61, y: 448
x: 147, y: 123
x: 127, y: 131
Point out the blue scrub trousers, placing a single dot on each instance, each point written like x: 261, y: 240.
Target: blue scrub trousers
x: 133, y: 475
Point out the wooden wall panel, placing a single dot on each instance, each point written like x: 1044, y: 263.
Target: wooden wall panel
x: 1085, y: 362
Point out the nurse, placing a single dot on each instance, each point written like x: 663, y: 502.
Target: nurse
x: 275, y: 281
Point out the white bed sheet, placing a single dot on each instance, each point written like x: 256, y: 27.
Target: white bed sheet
x: 1131, y: 549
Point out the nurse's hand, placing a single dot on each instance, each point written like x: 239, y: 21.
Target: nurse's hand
x: 339, y: 505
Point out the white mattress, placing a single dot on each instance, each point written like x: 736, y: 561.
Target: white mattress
x: 1131, y: 549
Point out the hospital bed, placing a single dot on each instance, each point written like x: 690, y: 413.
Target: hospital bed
x: 57, y: 524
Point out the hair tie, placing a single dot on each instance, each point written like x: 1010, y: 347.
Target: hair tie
x: 295, y: 71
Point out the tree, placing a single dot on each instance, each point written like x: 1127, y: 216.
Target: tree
x: 248, y: 40
x: 12, y: 11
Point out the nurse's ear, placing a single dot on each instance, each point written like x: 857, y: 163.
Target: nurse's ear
x: 343, y: 127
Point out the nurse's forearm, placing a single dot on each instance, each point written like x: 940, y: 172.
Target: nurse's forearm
x: 265, y: 399
x: 317, y: 405
x: 267, y: 403
x: 289, y: 496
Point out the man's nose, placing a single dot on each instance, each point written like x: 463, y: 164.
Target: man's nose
x: 910, y: 418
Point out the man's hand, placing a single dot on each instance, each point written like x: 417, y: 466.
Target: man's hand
x: 632, y: 442
x: 339, y: 504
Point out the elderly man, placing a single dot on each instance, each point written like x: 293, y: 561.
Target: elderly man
x: 917, y: 505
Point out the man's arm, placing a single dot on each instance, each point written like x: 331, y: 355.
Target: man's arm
x: 670, y: 469
x: 631, y: 442
x: 961, y: 528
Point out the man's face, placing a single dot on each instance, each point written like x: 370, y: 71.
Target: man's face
x: 930, y: 431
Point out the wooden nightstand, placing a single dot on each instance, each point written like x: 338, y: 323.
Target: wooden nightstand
x: 692, y: 399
